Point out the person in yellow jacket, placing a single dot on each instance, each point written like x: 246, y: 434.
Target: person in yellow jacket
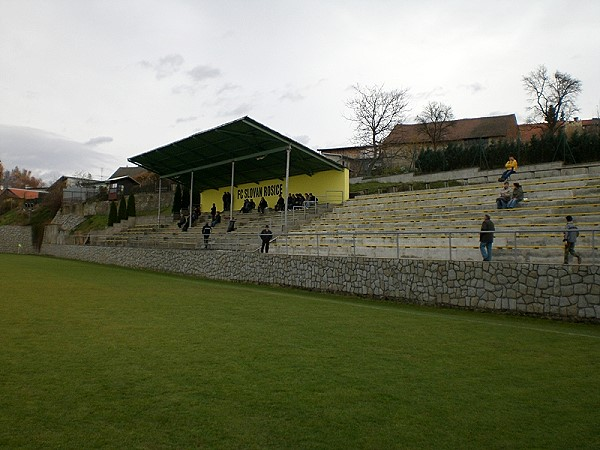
x: 511, y: 167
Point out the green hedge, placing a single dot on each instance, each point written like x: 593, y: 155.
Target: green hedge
x: 578, y: 148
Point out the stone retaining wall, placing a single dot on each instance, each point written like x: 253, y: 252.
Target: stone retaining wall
x: 16, y: 239
x: 571, y: 292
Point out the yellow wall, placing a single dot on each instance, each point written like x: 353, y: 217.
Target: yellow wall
x: 330, y: 186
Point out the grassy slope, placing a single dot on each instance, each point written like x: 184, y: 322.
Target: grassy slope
x: 97, y: 356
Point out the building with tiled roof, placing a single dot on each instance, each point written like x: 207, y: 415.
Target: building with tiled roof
x: 407, y: 140
x: 461, y: 130
x: 354, y: 158
x: 22, y: 196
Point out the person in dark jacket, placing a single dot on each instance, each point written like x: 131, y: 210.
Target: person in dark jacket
x: 280, y: 205
x: 486, y: 238
x: 517, y: 196
x: 265, y: 235
x: 262, y: 205
x: 206, y: 229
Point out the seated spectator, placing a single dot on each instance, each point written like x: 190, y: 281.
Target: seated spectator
x: 505, y: 196
x: 216, y: 220
x: 262, y: 205
x: 186, y: 224
x: 252, y: 204
x: 311, y: 200
x: 246, y: 207
x: 280, y: 205
x: 517, y: 196
x: 511, y: 167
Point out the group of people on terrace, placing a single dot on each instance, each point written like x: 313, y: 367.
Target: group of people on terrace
x: 294, y: 200
x: 486, y: 239
x: 509, y: 198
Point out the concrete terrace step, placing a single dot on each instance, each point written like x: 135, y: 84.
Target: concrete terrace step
x: 245, y: 237
x: 359, y: 226
x: 477, y: 196
x: 531, y: 184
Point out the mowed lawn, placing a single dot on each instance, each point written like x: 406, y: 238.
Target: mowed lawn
x: 98, y: 356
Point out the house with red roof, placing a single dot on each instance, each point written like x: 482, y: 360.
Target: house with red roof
x: 407, y: 140
x: 22, y: 197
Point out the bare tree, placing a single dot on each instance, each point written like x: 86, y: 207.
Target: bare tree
x: 376, y: 112
x: 21, y: 178
x: 435, y: 122
x: 552, y: 97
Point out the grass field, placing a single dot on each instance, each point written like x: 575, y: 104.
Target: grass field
x: 97, y: 356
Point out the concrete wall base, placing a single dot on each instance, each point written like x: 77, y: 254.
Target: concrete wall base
x: 555, y: 291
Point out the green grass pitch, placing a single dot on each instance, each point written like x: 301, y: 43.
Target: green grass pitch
x: 98, y: 356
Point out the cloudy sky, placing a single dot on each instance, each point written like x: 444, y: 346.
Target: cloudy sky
x: 85, y: 84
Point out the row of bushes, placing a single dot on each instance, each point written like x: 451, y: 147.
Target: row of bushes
x: 124, y: 212
x: 578, y: 148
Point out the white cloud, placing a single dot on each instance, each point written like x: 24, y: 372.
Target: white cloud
x: 99, y: 140
x: 237, y: 112
x: 165, y: 66
x: 49, y: 155
x: 201, y: 73
x: 186, y: 119
x: 135, y: 71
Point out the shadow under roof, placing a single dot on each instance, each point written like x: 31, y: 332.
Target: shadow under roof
x: 259, y: 154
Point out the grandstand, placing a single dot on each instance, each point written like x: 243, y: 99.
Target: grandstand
x: 438, y: 223
x: 243, y: 238
x: 444, y: 223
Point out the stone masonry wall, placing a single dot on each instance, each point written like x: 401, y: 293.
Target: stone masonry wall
x: 571, y: 292
x: 11, y: 236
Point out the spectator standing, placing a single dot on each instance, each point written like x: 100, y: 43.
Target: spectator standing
x: 213, y: 211
x: 226, y: 201
x: 206, y: 229
x: 265, y: 235
x: 486, y: 238
x: 505, y: 196
x: 517, y: 196
x: 511, y: 167
x: 570, y: 238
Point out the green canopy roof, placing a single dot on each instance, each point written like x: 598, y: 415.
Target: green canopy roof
x: 259, y: 154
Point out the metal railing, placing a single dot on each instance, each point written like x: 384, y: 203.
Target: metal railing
x: 522, y: 245
x: 515, y: 245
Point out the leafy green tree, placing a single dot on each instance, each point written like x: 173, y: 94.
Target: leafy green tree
x: 122, y: 215
x: 131, y: 206
x: 113, y: 216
